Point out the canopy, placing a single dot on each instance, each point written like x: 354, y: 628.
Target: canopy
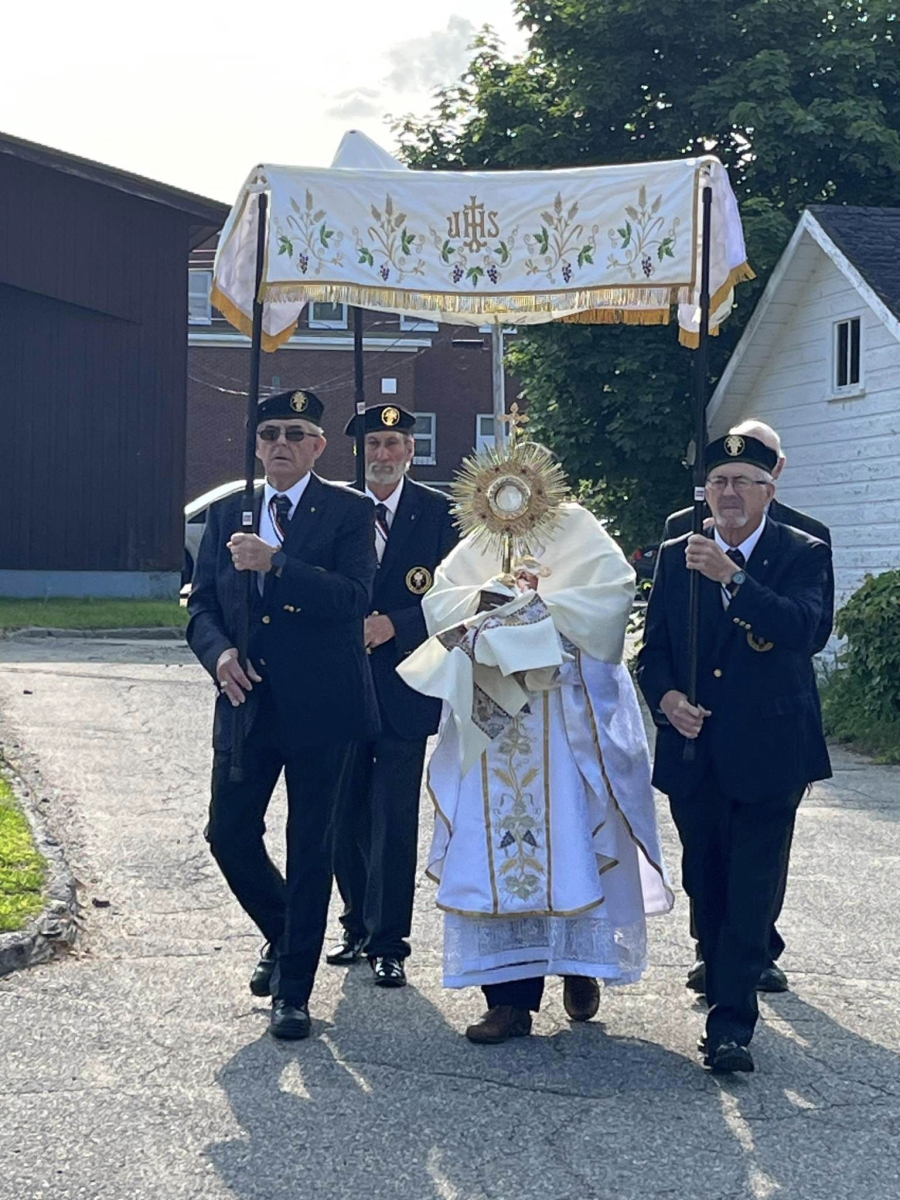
x: 591, y: 244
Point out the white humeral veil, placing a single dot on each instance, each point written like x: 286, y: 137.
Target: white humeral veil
x: 545, y: 848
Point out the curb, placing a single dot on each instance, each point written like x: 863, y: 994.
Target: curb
x: 56, y: 927
x: 163, y: 633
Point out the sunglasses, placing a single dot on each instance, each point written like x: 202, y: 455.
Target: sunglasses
x: 271, y: 433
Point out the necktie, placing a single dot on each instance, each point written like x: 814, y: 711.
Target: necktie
x: 739, y: 561
x: 381, y: 529
x: 280, y: 511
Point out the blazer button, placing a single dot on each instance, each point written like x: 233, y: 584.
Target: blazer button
x: 717, y: 672
x: 266, y: 619
x: 262, y: 662
x: 289, y: 608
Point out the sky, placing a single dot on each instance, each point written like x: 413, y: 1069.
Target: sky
x: 195, y: 94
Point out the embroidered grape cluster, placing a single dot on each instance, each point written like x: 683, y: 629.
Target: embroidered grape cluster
x: 303, y: 260
x: 457, y: 274
x: 567, y: 271
x: 493, y: 274
x: 647, y: 264
x: 385, y: 271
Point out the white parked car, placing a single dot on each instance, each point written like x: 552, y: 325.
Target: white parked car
x: 195, y: 522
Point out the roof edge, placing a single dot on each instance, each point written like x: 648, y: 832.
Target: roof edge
x: 808, y: 224
x: 205, y: 210
x: 762, y: 306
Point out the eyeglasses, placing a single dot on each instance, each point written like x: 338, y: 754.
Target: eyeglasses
x: 740, y: 483
x: 271, y: 433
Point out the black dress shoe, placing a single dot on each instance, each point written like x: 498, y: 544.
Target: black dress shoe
x: 773, y: 979
x: 729, y: 1057
x: 346, y: 952
x: 261, y: 979
x: 388, y: 972
x: 499, y: 1024
x: 696, y: 977
x: 581, y: 997
x: 290, y: 1021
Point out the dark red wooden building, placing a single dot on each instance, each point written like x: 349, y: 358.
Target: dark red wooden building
x: 93, y: 370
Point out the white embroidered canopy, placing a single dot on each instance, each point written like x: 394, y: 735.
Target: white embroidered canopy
x: 591, y: 244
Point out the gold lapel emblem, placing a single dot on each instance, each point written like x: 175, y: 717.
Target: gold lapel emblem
x: 419, y: 580
x: 734, y: 445
x: 299, y: 402
x: 758, y: 644
x: 390, y: 417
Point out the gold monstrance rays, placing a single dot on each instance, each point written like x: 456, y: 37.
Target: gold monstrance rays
x: 509, y: 500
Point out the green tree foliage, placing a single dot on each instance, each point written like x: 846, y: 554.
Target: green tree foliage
x: 799, y: 98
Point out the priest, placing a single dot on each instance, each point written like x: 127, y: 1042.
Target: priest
x: 545, y: 848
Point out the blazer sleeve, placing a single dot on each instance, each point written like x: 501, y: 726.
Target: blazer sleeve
x: 655, y: 663
x: 346, y: 591
x: 791, y: 617
x: 207, y: 634
x: 409, y: 623
x: 826, y: 622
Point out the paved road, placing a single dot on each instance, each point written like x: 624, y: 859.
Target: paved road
x: 139, y: 1066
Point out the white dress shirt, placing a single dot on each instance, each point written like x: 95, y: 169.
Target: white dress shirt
x: 746, y: 548
x: 267, y: 530
x: 391, y: 505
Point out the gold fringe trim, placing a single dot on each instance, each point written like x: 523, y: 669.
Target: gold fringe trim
x: 619, y: 316
x: 244, y: 324
x: 687, y: 337
x: 599, y: 306
x: 507, y: 304
x: 740, y: 274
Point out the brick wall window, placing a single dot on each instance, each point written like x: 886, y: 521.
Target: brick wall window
x: 417, y: 325
x: 484, y: 432
x: 199, y: 307
x: 425, y: 433
x: 323, y: 315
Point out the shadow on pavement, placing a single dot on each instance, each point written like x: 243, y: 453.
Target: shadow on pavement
x: 390, y: 1101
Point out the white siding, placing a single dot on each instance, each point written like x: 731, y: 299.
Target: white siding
x: 843, y: 456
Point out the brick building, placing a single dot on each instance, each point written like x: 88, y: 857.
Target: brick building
x: 442, y: 373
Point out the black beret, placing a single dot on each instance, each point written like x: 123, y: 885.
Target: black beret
x: 739, y: 448
x: 382, y: 417
x: 289, y: 406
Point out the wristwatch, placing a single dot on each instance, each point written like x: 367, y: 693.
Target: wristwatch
x: 737, y: 579
x: 279, y: 560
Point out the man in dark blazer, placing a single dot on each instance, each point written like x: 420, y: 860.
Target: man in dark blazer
x: 375, y: 851
x: 305, y: 697
x: 756, y: 727
x: 772, y: 978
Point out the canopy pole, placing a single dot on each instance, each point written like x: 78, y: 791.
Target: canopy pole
x: 701, y: 382
x: 498, y: 385
x: 247, y: 514
x: 359, y: 398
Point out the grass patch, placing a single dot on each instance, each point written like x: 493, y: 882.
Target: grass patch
x: 89, y: 613
x: 22, y: 870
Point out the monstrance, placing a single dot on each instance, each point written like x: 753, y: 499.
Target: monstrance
x: 510, y: 500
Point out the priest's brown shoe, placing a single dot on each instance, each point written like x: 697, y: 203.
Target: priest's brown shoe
x: 500, y: 1023
x: 581, y: 997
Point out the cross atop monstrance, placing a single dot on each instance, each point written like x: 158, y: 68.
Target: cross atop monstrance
x: 512, y: 420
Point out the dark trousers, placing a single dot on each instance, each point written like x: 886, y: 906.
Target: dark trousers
x: 733, y: 866
x: 376, y: 847
x: 291, y: 912
x: 521, y: 993
x: 776, y: 941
